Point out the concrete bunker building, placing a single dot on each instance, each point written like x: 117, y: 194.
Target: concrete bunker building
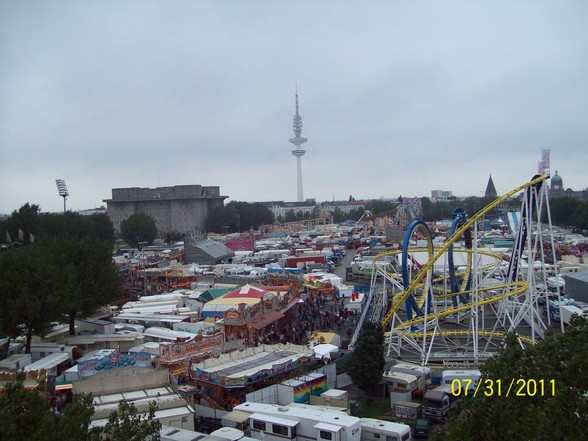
x: 181, y: 208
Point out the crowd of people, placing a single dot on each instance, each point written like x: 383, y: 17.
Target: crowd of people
x: 320, y: 312
x: 316, y: 312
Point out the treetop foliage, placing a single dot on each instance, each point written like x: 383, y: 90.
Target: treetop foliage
x: 65, y: 271
x: 568, y: 211
x: 549, y: 396
x: 26, y: 414
x: 137, y: 229
x: 366, y: 364
x: 238, y: 216
x: 29, y: 223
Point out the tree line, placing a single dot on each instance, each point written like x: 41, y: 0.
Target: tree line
x: 236, y: 217
x: 569, y: 212
x: 26, y: 414
x: 62, y: 269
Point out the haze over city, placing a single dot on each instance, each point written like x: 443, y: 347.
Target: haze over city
x: 396, y: 98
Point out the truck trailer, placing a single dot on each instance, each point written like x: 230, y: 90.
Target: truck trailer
x: 567, y: 311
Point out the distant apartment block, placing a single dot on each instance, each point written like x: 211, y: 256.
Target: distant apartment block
x: 280, y: 208
x: 181, y: 208
x: 440, y: 195
x: 328, y: 208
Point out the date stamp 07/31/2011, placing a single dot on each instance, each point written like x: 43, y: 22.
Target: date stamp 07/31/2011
x: 517, y: 387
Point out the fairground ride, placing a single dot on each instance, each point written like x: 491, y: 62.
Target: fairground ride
x: 453, y: 306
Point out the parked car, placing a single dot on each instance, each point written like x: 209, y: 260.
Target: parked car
x: 423, y: 427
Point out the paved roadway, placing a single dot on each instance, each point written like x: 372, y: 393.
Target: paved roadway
x: 345, y: 262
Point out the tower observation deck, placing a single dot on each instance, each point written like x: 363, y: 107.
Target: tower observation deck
x: 298, y: 151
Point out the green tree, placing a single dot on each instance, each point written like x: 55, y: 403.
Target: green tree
x: 239, y: 216
x: 429, y: 212
x: 66, y: 272
x: 579, y: 217
x: 355, y: 214
x: 223, y: 219
x: 91, y: 277
x: 366, y: 364
x: 562, y: 209
x: 290, y: 216
x: 338, y: 215
x: 251, y: 215
x: 75, y: 422
x: 26, y: 414
x: 25, y: 219
x: 101, y: 227
x: 138, y: 228
x: 31, y: 221
x: 33, y: 284
x: 127, y: 424
x: 95, y: 226
x: 547, y: 400
x: 378, y: 206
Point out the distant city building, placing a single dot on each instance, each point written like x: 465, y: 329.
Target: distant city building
x: 281, y: 208
x: 490, y: 189
x: 441, y: 195
x: 557, y: 189
x: 179, y: 209
x: 556, y: 184
x: 92, y: 211
x: 328, y: 208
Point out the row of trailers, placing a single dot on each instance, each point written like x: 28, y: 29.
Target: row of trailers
x: 407, y: 381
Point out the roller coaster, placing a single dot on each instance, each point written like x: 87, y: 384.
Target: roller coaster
x: 453, y: 306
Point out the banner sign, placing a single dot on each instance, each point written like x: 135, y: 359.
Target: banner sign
x: 115, y: 360
x: 171, y: 353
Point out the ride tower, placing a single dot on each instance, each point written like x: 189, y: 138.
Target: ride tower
x: 298, y: 151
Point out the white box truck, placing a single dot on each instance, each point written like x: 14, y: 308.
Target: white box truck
x: 567, y: 311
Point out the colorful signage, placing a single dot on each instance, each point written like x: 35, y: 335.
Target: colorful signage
x: 171, y: 353
x: 276, y: 369
x: 115, y: 360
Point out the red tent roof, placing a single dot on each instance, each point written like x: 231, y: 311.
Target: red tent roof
x: 246, y: 291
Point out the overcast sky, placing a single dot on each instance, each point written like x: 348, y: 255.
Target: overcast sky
x: 396, y: 97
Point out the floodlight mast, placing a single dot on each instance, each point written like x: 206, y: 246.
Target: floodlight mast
x: 62, y: 189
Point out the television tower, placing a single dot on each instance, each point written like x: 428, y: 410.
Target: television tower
x: 297, y: 150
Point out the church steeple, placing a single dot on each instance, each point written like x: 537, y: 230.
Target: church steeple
x: 490, y: 189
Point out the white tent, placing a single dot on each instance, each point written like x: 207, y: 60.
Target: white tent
x: 323, y: 351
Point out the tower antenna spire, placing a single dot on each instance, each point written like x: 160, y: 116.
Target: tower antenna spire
x: 298, y: 151
x: 297, y: 98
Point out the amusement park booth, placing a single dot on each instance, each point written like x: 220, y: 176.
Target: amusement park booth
x: 225, y: 381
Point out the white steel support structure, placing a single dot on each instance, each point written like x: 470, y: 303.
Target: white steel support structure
x: 469, y: 328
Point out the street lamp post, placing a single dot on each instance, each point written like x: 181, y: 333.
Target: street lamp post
x: 62, y: 189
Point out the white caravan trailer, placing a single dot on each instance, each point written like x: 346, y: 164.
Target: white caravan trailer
x: 461, y: 380
x: 378, y: 430
x: 270, y: 422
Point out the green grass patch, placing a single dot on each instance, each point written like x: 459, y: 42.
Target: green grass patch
x: 375, y: 408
